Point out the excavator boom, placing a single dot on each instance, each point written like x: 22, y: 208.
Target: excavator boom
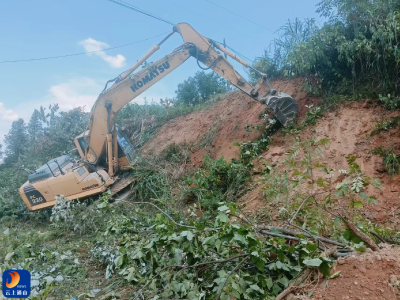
x: 129, y: 85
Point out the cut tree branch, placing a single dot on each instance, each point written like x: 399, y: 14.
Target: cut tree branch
x: 302, y: 277
x: 296, y: 233
x: 365, y: 238
x: 233, y: 271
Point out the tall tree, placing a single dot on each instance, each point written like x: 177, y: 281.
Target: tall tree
x: 35, y: 128
x: 16, y: 141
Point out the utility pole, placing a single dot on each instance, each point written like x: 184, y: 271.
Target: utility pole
x: 228, y: 85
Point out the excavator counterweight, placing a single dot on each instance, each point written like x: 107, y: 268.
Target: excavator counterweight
x: 104, y: 150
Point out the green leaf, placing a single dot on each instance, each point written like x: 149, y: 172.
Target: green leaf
x: 119, y: 261
x: 316, y: 262
x: 223, y: 208
x: 281, y: 265
x: 336, y: 274
x: 239, y: 238
x: 8, y: 256
x: 131, y: 277
x: 255, y: 253
x: 358, y: 204
x: 225, y: 296
x: 284, y: 281
x: 257, y: 288
x: 310, y: 293
x: 325, y: 269
x: 209, y: 240
x: 102, y: 204
x: 218, y: 244
x: 260, y: 264
x: 269, y: 282
x: 189, y: 235
x: 223, y: 218
x: 276, y: 289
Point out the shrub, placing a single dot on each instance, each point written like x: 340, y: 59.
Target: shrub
x: 217, y: 181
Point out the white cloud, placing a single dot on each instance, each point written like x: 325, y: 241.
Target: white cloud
x: 74, y: 93
x: 7, y: 114
x: 90, y: 45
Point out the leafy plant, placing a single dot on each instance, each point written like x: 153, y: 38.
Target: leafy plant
x: 312, y: 115
x: 385, y: 125
x: 389, y: 159
x: 166, y: 261
x: 217, y: 181
x: 306, y: 189
x: 354, y: 53
x: 391, y: 103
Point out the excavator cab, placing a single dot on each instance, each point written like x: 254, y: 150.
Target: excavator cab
x: 122, y: 148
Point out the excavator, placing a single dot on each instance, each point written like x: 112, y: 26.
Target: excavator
x: 104, y: 150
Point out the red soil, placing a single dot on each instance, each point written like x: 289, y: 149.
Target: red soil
x: 225, y: 122
x: 363, y: 276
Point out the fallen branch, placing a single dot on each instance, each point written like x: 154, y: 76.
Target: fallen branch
x: 296, y: 233
x: 377, y: 236
x: 164, y: 213
x: 302, y: 277
x: 184, y: 267
x: 365, y: 238
x: 280, y: 235
x: 233, y: 271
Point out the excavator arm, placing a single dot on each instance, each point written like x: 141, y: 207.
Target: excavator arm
x: 129, y: 85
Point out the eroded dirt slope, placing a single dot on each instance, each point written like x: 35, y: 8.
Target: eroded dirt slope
x: 364, y: 276
x: 213, y: 131
x: 348, y: 129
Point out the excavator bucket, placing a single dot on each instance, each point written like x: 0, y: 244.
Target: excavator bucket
x: 283, y: 106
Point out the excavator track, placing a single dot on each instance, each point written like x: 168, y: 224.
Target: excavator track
x: 121, y: 184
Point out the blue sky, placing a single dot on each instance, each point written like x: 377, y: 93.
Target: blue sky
x: 31, y: 29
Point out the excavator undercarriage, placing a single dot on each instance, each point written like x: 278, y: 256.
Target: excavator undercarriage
x: 104, y: 151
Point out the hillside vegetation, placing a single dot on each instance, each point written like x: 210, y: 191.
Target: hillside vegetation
x: 287, y: 205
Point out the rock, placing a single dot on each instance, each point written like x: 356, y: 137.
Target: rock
x: 362, y: 269
x: 341, y: 261
x: 393, y: 279
x: 378, y: 257
x: 355, y: 283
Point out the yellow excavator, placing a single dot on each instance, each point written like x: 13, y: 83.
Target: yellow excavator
x: 104, y: 150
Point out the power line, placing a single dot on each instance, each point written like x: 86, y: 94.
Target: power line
x: 81, y: 53
x: 232, y: 12
x: 129, y: 6
x: 220, y: 24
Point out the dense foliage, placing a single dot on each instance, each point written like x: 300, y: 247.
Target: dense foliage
x: 355, y: 52
x: 199, y: 88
